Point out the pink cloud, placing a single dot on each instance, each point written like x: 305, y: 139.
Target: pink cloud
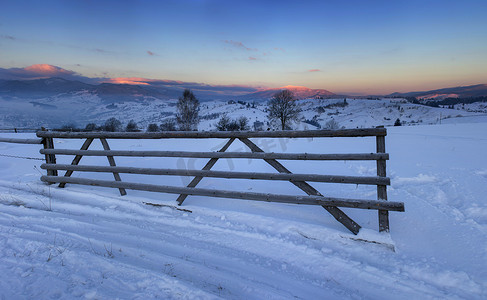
x: 35, y: 72
x: 239, y: 45
x: 314, y: 70
x: 129, y: 80
x: 41, y: 71
x: 143, y: 81
x: 252, y: 58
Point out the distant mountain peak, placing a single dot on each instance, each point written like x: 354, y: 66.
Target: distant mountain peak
x: 300, y: 92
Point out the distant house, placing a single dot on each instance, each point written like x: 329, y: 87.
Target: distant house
x: 258, y: 126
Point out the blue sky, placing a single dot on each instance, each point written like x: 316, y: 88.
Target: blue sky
x: 342, y: 46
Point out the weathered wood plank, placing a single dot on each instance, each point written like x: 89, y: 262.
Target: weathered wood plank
x: 382, y: 189
x: 306, y: 200
x: 76, y: 160
x: 111, y: 161
x: 225, y: 174
x: 207, y: 167
x: 21, y: 141
x: 218, y: 134
x: 339, y: 215
x: 248, y: 155
x: 48, y: 143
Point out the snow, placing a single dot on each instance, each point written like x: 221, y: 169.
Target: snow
x: 82, y: 108
x: 89, y: 242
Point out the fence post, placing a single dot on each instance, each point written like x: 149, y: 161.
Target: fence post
x: 50, y: 158
x: 382, y: 189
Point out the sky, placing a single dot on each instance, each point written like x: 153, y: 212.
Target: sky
x: 347, y: 47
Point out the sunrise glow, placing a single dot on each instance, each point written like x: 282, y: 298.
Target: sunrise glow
x: 355, y: 47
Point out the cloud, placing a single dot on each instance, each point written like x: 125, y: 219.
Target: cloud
x: 314, y: 70
x: 252, y: 58
x: 145, y: 81
x: 8, y: 37
x: 180, y: 84
x: 239, y: 45
x: 128, y: 80
x: 40, y: 71
x: 35, y: 72
x: 152, y: 53
x: 100, y: 50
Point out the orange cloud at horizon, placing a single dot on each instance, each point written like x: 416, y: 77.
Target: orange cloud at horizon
x: 129, y: 80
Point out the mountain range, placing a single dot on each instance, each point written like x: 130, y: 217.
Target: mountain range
x: 116, y: 92
x: 49, y: 87
x: 120, y: 92
x: 477, y: 90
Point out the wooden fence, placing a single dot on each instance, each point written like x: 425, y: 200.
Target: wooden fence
x: 314, y: 197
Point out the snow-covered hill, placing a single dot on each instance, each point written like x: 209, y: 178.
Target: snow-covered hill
x: 452, y: 92
x: 83, y: 107
x: 300, y: 92
x: 88, y: 242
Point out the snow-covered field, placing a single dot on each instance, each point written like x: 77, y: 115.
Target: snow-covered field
x: 91, y: 243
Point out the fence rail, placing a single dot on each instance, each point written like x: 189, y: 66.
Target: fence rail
x: 314, y: 197
x: 306, y: 200
x: 249, y: 155
x: 370, y: 180
x: 216, y: 134
x: 20, y: 141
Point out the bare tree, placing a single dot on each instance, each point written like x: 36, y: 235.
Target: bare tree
x: 152, y: 127
x: 243, y: 123
x: 90, y: 127
x: 283, y: 108
x: 168, y: 125
x: 132, y: 126
x: 113, y: 125
x: 332, y: 125
x: 187, y: 111
x: 227, y: 124
x: 223, y: 123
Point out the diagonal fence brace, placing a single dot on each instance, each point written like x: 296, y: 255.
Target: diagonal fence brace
x: 111, y: 161
x: 338, y: 214
x: 76, y: 160
x: 208, y: 166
